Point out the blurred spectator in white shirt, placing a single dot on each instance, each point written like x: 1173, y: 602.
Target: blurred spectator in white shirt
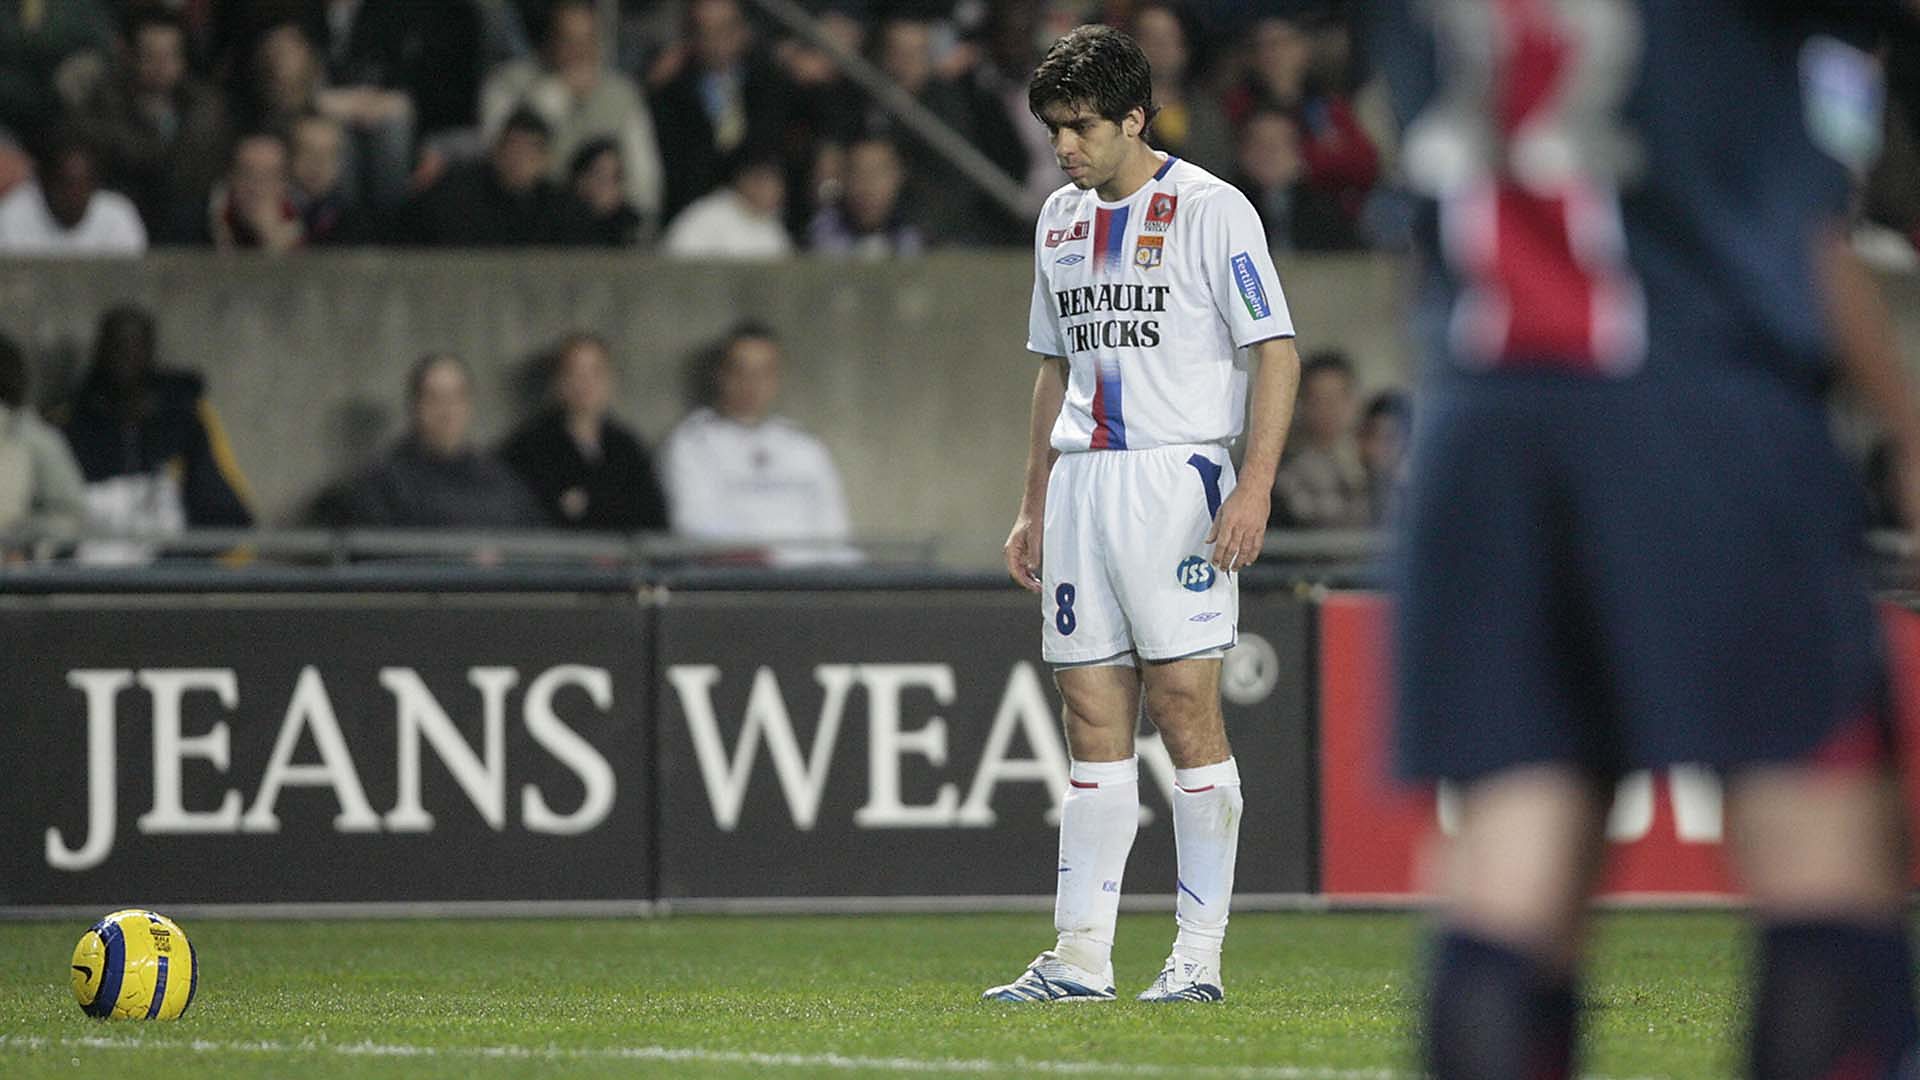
x: 64, y: 211
x: 737, y: 473
x: 740, y: 221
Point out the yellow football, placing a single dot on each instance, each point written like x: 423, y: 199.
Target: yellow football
x: 134, y: 965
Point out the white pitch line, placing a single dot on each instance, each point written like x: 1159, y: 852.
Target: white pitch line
x: 698, y: 1056
x: 694, y: 1055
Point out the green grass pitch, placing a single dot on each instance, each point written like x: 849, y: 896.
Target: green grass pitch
x: 1308, y: 996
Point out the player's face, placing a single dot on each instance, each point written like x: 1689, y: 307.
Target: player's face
x: 1089, y: 147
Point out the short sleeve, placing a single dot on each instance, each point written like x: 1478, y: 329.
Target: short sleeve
x: 1239, y: 269
x: 1043, y: 331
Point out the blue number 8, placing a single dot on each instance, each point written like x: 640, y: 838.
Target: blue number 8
x: 1063, y: 618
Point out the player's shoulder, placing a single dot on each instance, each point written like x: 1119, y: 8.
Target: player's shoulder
x: 1066, y: 201
x: 1201, y: 190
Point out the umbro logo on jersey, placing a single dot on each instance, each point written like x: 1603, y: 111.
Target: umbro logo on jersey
x: 1070, y: 260
x: 1160, y: 213
x: 1146, y: 253
x: 1079, y: 230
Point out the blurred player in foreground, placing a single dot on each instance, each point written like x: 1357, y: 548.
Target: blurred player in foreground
x: 1154, y: 299
x: 1630, y: 542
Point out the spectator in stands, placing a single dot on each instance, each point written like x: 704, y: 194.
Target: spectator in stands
x: 588, y: 470
x: 1322, y: 483
x: 289, y: 80
x: 714, y: 99
x: 64, y: 211
x: 162, y: 134
x: 42, y: 42
x: 41, y: 491
x: 435, y: 477
x: 743, y: 220
x: 1271, y: 173
x: 1339, y: 159
x: 254, y: 209
x: 425, y: 57
x: 827, y: 115
x: 327, y: 219
x: 956, y: 212
x: 735, y: 472
x: 596, y: 178
x: 1383, y: 451
x: 868, y: 220
x: 504, y: 201
x: 581, y: 100
x: 1190, y: 123
x: 151, y: 446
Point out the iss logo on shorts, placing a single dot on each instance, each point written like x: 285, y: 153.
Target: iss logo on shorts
x: 1160, y: 213
x: 1146, y: 253
x: 1194, y: 574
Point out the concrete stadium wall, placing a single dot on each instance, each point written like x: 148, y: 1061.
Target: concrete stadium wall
x: 913, y: 372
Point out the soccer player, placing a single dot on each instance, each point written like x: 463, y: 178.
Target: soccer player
x: 1629, y: 541
x: 1155, y: 303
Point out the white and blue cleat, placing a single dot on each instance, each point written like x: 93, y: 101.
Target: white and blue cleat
x: 1050, y: 979
x: 1185, y: 980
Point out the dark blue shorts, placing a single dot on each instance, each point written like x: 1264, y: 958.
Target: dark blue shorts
x: 1627, y: 574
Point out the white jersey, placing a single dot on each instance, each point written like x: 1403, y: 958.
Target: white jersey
x: 1150, y: 300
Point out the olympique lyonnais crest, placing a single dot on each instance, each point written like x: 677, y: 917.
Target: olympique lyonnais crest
x: 1146, y: 253
x: 1078, y: 231
x: 1160, y: 213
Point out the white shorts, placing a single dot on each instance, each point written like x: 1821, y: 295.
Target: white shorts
x: 1124, y: 560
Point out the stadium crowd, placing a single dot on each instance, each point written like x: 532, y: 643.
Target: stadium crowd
x: 694, y: 126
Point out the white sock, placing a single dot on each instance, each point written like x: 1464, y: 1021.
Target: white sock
x: 1097, y: 824
x: 1206, y: 838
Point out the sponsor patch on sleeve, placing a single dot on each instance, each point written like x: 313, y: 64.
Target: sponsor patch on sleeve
x: 1251, y: 289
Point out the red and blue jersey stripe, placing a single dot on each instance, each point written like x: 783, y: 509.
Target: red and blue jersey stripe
x: 1109, y: 422
x: 1110, y: 238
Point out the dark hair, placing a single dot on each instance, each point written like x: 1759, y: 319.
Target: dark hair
x: 703, y: 373
x: 1097, y: 67
x: 1388, y: 405
x: 1327, y: 361
x: 417, y: 375
x: 525, y: 119
x: 583, y: 158
x: 13, y: 374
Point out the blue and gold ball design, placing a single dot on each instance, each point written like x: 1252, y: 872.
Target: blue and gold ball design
x: 134, y: 965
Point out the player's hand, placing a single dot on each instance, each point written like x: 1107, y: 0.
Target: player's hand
x: 1240, y: 528
x: 1023, y: 552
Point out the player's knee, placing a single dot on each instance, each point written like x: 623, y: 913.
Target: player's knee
x: 1179, y: 705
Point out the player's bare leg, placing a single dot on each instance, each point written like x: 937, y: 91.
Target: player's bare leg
x: 1502, y: 1000
x: 1182, y: 699
x: 1098, y: 820
x: 1822, y: 854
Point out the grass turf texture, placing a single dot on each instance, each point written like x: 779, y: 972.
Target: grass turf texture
x: 1307, y: 995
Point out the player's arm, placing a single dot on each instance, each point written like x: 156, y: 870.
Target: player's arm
x: 1869, y: 357
x: 1240, y: 528
x: 1023, y: 543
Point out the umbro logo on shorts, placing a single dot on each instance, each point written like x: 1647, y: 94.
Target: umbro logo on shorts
x: 1206, y: 616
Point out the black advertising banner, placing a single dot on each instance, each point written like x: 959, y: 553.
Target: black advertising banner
x: 324, y: 749
x: 907, y: 744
